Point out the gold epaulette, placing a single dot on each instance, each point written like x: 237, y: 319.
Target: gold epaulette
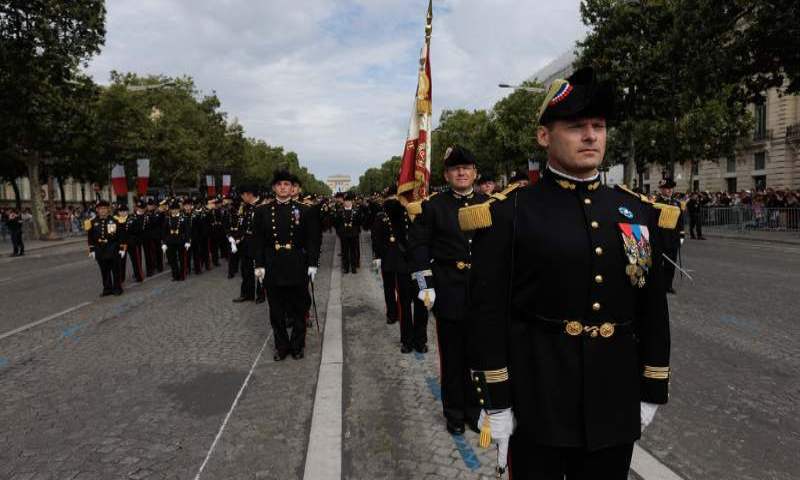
x: 414, y: 208
x: 118, y: 219
x: 476, y: 217
x: 643, y: 198
x: 683, y: 206
x: 668, y: 215
x: 87, y: 224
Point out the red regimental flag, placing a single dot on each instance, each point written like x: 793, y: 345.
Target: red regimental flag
x: 415, y: 166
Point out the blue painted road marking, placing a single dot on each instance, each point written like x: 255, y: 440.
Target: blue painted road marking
x: 467, y: 453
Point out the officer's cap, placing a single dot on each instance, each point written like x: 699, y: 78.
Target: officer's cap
x: 485, y: 179
x: 457, y: 155
x: 141, y: 205
x: 150, y: 201
x: 102, y: 203
x: 174, y: 204
x: 580, y: 95
x: 666, y: 183
x: 122, y: 207
x: 519, y: 176
x: 350, y: 196
x: 282, y: 176
x: 248, y: 188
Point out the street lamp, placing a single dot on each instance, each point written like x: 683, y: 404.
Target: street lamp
x: 521, y: 87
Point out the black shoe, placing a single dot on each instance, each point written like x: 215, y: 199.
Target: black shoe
x: 421, y: 348
x: 390, y: 320
x: 694, y: 238
x: 701, y: 238
x: 117, y: 292
x: 298, y: 355
x: 672, y: 291
x: 344, y: 270
x: 259, y: 300
x: 21, y: 254
x: 406, y: 349
x: 242, y: 299
x: 216, y: 264
x: 105, y: 293
x: 354, y: 271
x: 230, y: 275
x: 279, y: 356
x: 455, y: 427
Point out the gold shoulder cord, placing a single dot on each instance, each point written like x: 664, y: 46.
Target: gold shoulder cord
x: 668, y: 215
x: 476, y: 217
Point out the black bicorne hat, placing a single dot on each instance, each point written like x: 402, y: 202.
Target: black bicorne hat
x: 580, y: 95
x: 457, y: 155
x: 282, y: 176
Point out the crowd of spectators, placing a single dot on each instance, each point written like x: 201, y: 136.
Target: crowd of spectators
x: 68, y: 221
x: 768, y: 198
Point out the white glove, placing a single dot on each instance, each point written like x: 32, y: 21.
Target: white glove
x: 231, y: 240
x: 647, y: 411
x: 234, y: 249
x: 187, y: 245
x: 164, y: 248
x: 377, y: 264
x: 91, y: 255
x: 260, y: 272
x: 122, y: 254
x: 428, y: 296
x: 682, y: 239
x: 312, y: 272
x: 501, y: 426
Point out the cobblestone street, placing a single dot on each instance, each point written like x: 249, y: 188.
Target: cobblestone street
x: 174, y: 381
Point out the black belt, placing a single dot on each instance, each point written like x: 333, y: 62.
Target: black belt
x: 576, y: 328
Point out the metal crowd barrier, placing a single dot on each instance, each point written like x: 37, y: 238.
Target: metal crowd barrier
x: 749, y: 218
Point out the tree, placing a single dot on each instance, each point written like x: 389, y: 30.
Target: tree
x: 42, y: 46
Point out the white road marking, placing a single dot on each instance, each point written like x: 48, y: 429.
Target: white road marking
x: 233, y: 407
x: 649, y: 467
x: 44, y: 320
x: 147, y: 279
x: 324, y: 457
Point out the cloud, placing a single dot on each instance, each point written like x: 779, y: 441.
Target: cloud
x: 333, y: 80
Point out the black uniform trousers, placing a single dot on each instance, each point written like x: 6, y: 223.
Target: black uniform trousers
x: 349, y: 254
x: 398, y: 291
x: 178, y: 258
x: 110, y: 273
x: 248, y: 266
x: 458, y: 397
x: 16, y: 241
x: 528, y: 461
x: 669, y: 268
x: 695, y: 226
x: 233, y: 264
x: 154, y: 258
x: 135, y: 254
x: 287, y: 308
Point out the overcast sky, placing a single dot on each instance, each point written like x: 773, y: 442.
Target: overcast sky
x: 333, y: 80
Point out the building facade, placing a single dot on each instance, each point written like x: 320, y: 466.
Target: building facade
x: 74, y: 192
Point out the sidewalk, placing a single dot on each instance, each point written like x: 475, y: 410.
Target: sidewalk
x: 790, y: 238
x: 34, y: 245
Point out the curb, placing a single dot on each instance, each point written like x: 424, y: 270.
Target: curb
x: 50, y: 244
x: 753, y: 239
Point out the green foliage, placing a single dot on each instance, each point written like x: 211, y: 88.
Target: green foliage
x: 375, y: 180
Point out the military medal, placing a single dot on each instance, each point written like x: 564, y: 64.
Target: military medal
x: 636, y: 241
x: 626, y: 213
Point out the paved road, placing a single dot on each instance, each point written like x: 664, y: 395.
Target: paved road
x: 139, y: 386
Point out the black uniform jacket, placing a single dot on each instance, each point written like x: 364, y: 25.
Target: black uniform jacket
x: 390, y: 237
x: 437, y: 243
x: 176, y: 229
x: 286, y: 242
x: 348, y: 223
x: 555, y: 254
x: 672, y: 237
x: 105, y: 237
x: 246, y: 230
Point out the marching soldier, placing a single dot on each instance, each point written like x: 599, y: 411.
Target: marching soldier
x: 216, y: 239
x: 176, y: 241
x: 153, y: 256
x: 442, y: 253
x: 130, y: 231
x: 390, y: 248
x: 245, y: 245
x: 286, y: 250
x: 672, y: 238
x: 568, y: 322
x: 107, y: 247
x: 348, y: 226
x: 231, y: 223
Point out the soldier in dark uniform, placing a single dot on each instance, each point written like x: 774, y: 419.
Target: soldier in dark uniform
x: 246, y: 246
x: 231, y: 222
x: 442, y: 253
x: 130, y: 231
x: 176, y: 240
x: 348, y: 226
x: 286, y: 245
x: 153, y: 225
x: 672, y: 238
x: 216, y: 238
x: 14, y: 225
x: 136, y: 239
x: 390, y: 248
x: 107, y: 247
x: 568, y: 322
x: 695, y: 209
x: 486, y: 184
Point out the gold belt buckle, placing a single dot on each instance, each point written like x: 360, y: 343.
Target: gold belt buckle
x: 575, y: 328
x: 462, y: 265
x: 287, y: 246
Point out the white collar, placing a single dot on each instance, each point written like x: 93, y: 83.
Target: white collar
x: 570, y: 177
